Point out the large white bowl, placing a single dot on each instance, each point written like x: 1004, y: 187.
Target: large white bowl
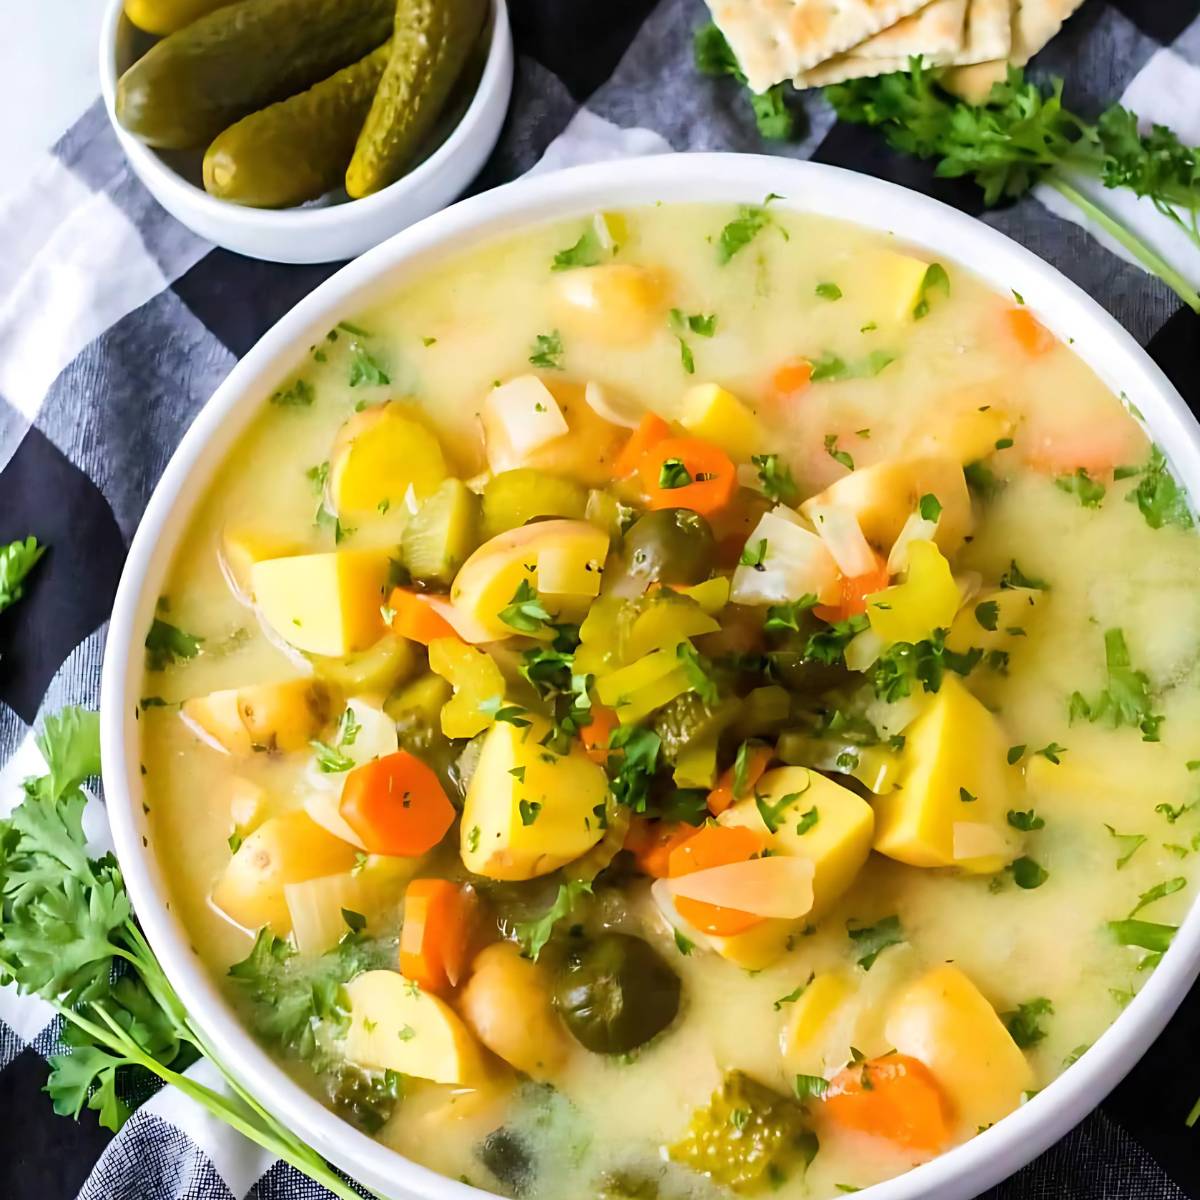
x: 806, y: 187
x: 319, y: 232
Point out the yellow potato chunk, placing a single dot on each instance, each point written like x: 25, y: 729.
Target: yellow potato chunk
x: 519, y: 826
x: 286, y: 849
x: 395, y: 1026
x: 241, y: 548
x: 378, y: 455
x: 264, y: 717
x: 475, y: 678
x: 1014, y: 607
x: 247, y: 804
x: 896, y: 284
x: 616, y: 304
x: 954, y: 772
x: 490, y: 577
x: 943, y: 1020
x: 324, y: 603
x: 809, y: 1019
x: 970, y: 434
x: 711, y: 412
x: 927, y: 599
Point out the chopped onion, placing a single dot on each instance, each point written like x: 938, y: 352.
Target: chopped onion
x: 795, y: 562
x: 893, y: 717
x: 323, y: 807
x: 974, y: 839
x: 660, y: 893
x: 779, y: 886
x: 916, y: 529
x: 863, y: 650
x: 519, y: 417
x: 376, y: 736
x: 600, y: 403
x: 749, y: 476
x: 839, y: 529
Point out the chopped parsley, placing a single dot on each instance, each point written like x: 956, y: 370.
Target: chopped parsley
x: 1128, y: 843
x: 529, y: 810
x: 930, y: 507
x: 754, y: 554
x: 772, y: 814
x: 838, y: 456
x: 1023, y: 1022
x: 775, y: 478
x: 1158, y: 892
x: 1161, y: 500
x: 673, y: 474
x: 365, y: 370
x: 299, y: 394
x: 807, y: 821
x: 588, y: 251
x: 832, y: 367
x: 1014, y: 577
x: 167, y: 643
x: 810, y: 1087
x: 1145, y: 935
x: 1027, y: 873
x: 1088, y: 491
x: 698, y: 670
x: 17, y: 559
x: 988, y: 615
x: 828, y: 291
x: 525, y: 612
x: 935, y: 280
x: 786, y: 616
x: 751, y: 220
x: 1027, y: 822
x: 547, y: 351
x: 1126, y: 700
x: 533, y: 935
x: 871, y: 941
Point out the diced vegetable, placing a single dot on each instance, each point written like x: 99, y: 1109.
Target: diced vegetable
x: 379, y: 668
x: 712, y: 594
x: 423, y: 700
x: 894, y: 1097
x: 396, y: 805
x: 809, y: 1016
x: 587, y: 451
x: 378, y: 456
x: 709, y: 411
x: 1028, y: 332
x: 714, y: 846
x: 854, y: 591
x: 665, y: 620
x: 954, y: 750
x: 788, y: 561
x: 774, y: 887
x: 690, y: 473
x: 247, y: 805
x: 395, y: 1026
x: 529, y: 811
x: 789, y: 380
x: 943, y: 1020
x: 896, y: 283
x: 635, y: 691
x: 670, y: 546
x: 596, y: 733
x: 519, y: 417
x: 323, y: 603
x: 757, y: 759
x: 241, y: 548
x: 286, y: 849
x: 614, y: 304
x: 414, y: 618
x: 507, y: 1002
x: 442, y: 532
x: 968, y: 435
x: 650, y: 431
x: 995, y: 619
x: 513, y: 498
x: 926, y: 600
x: 476, y: 681
x: 435, y: 939
x: 838, y: 528
x: 262, y: 717
x: 317, y: 907
x: 652, y: 842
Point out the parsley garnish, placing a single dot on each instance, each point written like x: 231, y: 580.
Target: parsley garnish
x: 828, y: 291
x: 1129, y: 844
x: 740, y: 232
x: 299, y: 394
x: 525, y: 612
x: 1028, y: 874
x: 17, y: 559
x: 1088, y: 491
x: 533, y: 935
x: 830, y: 366
x: 988, y: 615
x: 810, y: 1087
x: 872, y: 940
x: 673, y: 474
x: 698, y: 670
x: 930, y: 507
x: 547, y: 351
x: 1027, y: 822
x: 635, y: 766
x: 331, y: 759
x: 1158, y: 892
x: 828, y: 645
x: 1145, y: 935
x: 1014, y: 577
x: 935, y: 280
x: 1126, y: 700
x: 365, y: 370
x: 1161, y: 500
x: 807, y: 820
x: 786, y: 616
x: 754, y: 554
x: 1022, y: 1022
x: 529, y: 810
x: 166, y: 643
x: 838, y: 456
x: 772, y: 814
x: 776, y: 478
x: 587, y: 252
x: 512, y: 714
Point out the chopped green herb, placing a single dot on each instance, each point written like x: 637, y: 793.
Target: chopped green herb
x: 772, y: 814
x: 930, y: 507
x: 775, y: 120
x: 17, y: 559
x: 1129, y: 844
x: 299, y: 394
x: 783, y: 617
x: 547, y: 351
x: 673, y: 474
x: 529, y: 810
x: 754, y: 554
x: 776, y: 478
x: 1161, y: 500
x: 1088, y: 491
x: 1027, y: 822
x: 935, y: 280
x: 525, y: 611
x: 872, y: 940
x: 988, y: 615
x: 807, y: 821
x: 586, y: 252
x: 829, y: 291
x: 682, y: 944
x: 699, y: 672
x: 740, y: 232
x: 1052, y: 753
x: 533, y: 935
x: 365, y: 370
x: 1146, y: 935
x: 1126, y: 700
x: 810, y: 1087
x: 1022, y: 1023
x: 1027, y: 873
x: 1158, y: 892
x: 1014, y: 577
x: 166, y: 644
x: 838, y: 456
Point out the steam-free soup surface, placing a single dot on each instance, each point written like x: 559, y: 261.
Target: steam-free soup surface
x: 705, y: 695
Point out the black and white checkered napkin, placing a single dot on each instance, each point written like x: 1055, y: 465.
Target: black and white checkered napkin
x: 116, y: 324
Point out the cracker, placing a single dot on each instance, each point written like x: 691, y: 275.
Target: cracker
x: 778, y: 39
x: 936, y: 29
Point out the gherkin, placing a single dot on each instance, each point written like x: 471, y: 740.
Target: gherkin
x: 748, y: 1137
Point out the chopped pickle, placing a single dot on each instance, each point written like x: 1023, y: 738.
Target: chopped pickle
x: 763, y: 712
x: 421, y: 699
x: 514, y: 498
x: 442, y: 534
x: 380, y: 668
x: 749, y: 1137
x: 609, y: 513
x: 688, y: 720
x: 476, y: 680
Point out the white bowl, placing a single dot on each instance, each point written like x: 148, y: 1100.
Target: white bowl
x: 808, y: 187
x: 322, y: 231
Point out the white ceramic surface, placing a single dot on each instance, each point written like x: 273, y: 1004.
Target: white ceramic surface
x: 922, y: 222
x: 318, y: 232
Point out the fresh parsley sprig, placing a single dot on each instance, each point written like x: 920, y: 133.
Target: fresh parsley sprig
x: 17, y: 559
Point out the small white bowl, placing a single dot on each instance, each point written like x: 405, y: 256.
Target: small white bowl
x: 1065, y: 309
x: 320, y: 231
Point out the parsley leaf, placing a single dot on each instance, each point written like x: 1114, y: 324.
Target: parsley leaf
x: 1027, y: 822
x: 872, y: 940
x: 525, y: 612
x: 1014, y: 577
x: 714, y: 57
x: 533, y: 935
x: 635, y: 766
x: 1161, y: 500
x: 772, y: 814
x: 786, y: 616
x: 673, y: 474
x: 365, y: 370
x: 839, y: 456
x: 1146, y: 935
x: 299, y: 394
x: 740, y: 232
x: 935, y: 280
x: 547, y: 351
x: 828, y: 291
x: 1126, y: 700
x: 17, y: 559
x: 587, y: 252
x: 1022, y: 1022
x: 166, y: 643
x: 698, y: 670
x: 776, y: 478
x: 1088, y: 491
x: 1027, y: 873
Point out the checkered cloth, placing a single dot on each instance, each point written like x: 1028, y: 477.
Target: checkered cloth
x: 116, y: 324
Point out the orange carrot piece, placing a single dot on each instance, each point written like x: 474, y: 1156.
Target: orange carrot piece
x: 1030, y: 334
x: 595, y: 734
x: 721, y: 797
x: 435, y: 937
x: 789, y: 379
x: 396, y: 805
x: 855, y: 590
x: 651, y: 844
x: 651, y: 430
x: 711, y: 471
x: 715, y: 846
x: 412, y: 618
x: 895, y: 1097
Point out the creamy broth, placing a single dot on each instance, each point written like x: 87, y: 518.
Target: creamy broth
x: 1105, y: 812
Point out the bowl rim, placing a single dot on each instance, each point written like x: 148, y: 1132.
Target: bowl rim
x: 916, y: 220
x: 494, y: 80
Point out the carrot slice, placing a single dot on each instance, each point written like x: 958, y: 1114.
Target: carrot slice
x: 895, y: 1097
x: 721, y: 797
x: 651, y: 430
x: 434, y: 939
x: 703, y: 475
x: 396, y: 805
x: 651, y: 844
x: 855, y: 590
x: 412, y: 618
x: 595, y: 734
x: 1031, y: 335
x: 715, y: 846
x: 789, y: 379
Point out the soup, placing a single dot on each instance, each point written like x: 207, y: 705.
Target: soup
x: 681, y: 702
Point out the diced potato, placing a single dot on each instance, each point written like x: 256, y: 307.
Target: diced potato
x: 711, y: 412
x: 1014, y: 608
x: 809, y: 1018
x: 247, y: 805
x: 378, y: 455
x: 637, y: 690
x: 324, y: 603
x: 507, y: 1002
x: 369, y: 888
x: 395, y: 1026
x: 954, y: 771
x: 615, y: 304
x: 926, y: 600
x: 518, y: 826
x: 491, y: 576
x: 896, y: 283
x: 519, y: 417
x: 943, y: 1020
x: 475, y: 678
x: 242, y: 547
x: 286, y: 849
x: 264, y: 717
x: 968, y: 435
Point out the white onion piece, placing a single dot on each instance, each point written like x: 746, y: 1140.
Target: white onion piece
x: 376, y: 736
x: 974, y: 839
x: 915, y: 529
x: 660, y: 893
x: 322, y: 807
x: 863, y: 650
x: 749, y: 476
x: 465, y: 625
x: 778, y: 886
x: 599, y: 401
x: 893, y: 717
x: 839, y: 529
x: 519, y: 417
x: 796, y: 562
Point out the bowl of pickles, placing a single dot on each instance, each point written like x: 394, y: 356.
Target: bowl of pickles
x: 305, y: 130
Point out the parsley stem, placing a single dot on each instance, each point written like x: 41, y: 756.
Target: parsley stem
x: 1151, y: 260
